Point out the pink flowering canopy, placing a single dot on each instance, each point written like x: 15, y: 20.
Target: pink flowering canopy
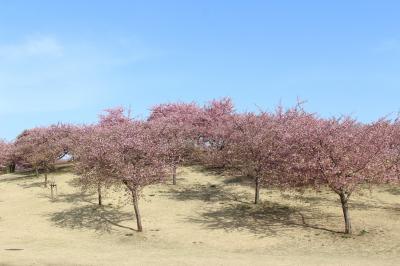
x: 285, y: 149
x: 120, y: 150
x: 176, y: 126
x: 215, y: 128
x: 346, y: 153
x: 43, y: 146
x: 5, y: 153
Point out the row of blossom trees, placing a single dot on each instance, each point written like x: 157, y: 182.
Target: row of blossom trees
x: 287, y: 149
x: 37, y: 148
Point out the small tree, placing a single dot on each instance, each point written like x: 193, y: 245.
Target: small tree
x: 346, y: 154
x: 215, y: 124
x: 28, y: 145
x: 176, y: 126
x: 120, y: 150
x: 137, y: 158
x: 144, y: 164
x: 42, y: 147
x: 260, y: 147
x: 11, y: 158
x: 248, y: 147
x: 392, y: 156
x: 89, y: 151
x: 5, y: 161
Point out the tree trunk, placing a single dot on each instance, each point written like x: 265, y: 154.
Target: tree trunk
x: 257, y: 194
x: 344, y: 200
x: 45, y: 176
x: 137, y: 212
x: 52, y: 191
x: 11, y: 168
x: 37, y: 171
x: 174, y: 174
x: 99, y: 194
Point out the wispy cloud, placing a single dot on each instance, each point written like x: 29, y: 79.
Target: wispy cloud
x: 31, y: 47
x: 43, y: 74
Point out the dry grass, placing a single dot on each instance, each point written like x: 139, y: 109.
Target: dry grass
x: 207, y: 219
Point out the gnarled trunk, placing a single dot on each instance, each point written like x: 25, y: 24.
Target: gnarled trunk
x: 257, y: 192
x: 344, y: 200
x: 135, y: 200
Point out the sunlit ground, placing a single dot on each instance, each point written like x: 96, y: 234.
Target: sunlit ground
x: 207, y: 219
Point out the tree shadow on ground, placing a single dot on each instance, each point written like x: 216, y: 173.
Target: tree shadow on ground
x: 360, y: 205
x: 18, y: 177
x: 24, y: 175
x: 100, y: 219
x: 395, y: 190
x: 239, y: 213
x: 240, y: 180
x: 39, y: 184
x: 77, y: 197
x: 355, y: 203
x: 263, y: 219
x: 27, y: 174
x: 317, y: 199
x: 75, y: 182
x: 63, y: 168
x: 207, y: 193
x: 208, y: 170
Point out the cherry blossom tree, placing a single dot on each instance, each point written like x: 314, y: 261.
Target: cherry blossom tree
x: 6, y: 161
x: 345, y: 155
x: 122, y: 151
x: 250, y: 143
x: 42, y: 147
x: 176, y: 124
x: 9, y: 157
x: 137, y: 156
x: 295, y: 129
x: 261, y: 146
x: 90, y: 147
x: 139, y: 159
x: 391, y: 157
x: 26, y: 146
x: 89, y: 151
x: 215, y: 126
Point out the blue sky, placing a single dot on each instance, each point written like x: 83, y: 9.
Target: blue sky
x: 68, y: 60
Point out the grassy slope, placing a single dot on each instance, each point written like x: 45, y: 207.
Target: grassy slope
x: 205, y: 220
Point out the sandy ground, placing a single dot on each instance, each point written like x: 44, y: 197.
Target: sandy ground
x: 207, y: 219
